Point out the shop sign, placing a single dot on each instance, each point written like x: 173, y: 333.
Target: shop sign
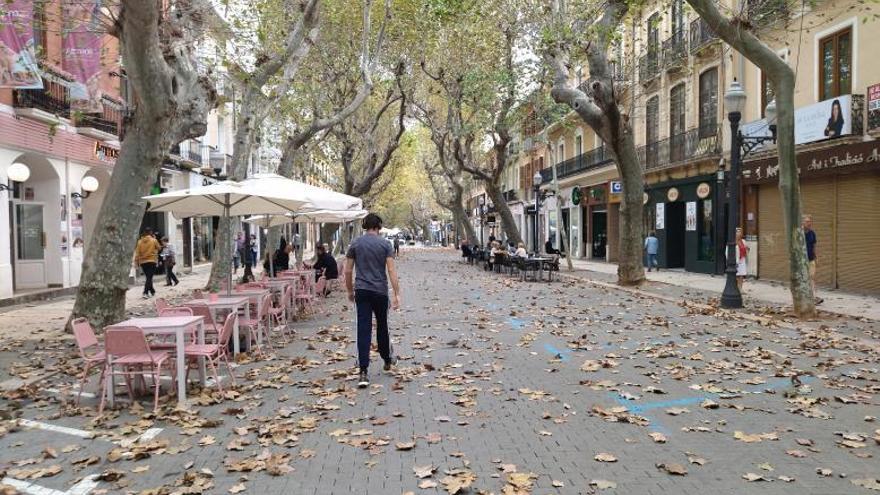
x: 852, y: 157
x: 616, y: 187
x: 660, y: 220
x: 819, y: 121
x: 703, y: 190
x: 575, y: 195
x: 874, y: 107
x: 691, y: 218
x: 106, y: 153
x: 672, y: 194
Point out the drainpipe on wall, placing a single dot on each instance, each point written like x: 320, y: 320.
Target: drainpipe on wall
x: 67, y: 206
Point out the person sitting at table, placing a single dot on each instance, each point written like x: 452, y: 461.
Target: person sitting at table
x: 495, y: 254
x: 549, y: 249
x: 521, y: 251
x: 325, y: 264
x: 281, y: 260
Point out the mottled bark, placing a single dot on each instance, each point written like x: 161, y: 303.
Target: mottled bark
x: 599, y: 108
x: 735, y: 32
x: 255, y: 107
x: 173, y: 101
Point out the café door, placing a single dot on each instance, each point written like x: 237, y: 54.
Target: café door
x: 29, y: 245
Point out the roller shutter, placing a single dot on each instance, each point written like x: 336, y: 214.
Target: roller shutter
x: 817, y: 199
x: 772, y: 261
x: 858, y: 241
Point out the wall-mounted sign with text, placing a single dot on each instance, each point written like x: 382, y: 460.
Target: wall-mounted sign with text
x: 852, y: 157
x: 106, y: 153
x: 874, y: 108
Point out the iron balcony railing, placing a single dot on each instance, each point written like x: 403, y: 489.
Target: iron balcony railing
x: 675, y: 49
x: 620, y: 71
x: 220, y: 162
x: 699, y: 142
x: 649, y: 65
x: 510, y: 195
x: 701, y: 35
x: 54, y: 97
x: 594, y: 158
x: 109, y: 120
x: 194, y: 152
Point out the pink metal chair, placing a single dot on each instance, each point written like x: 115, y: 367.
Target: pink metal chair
x: 258, y: 326
x: 89, y: 350
x: 280, y: 312
x: 127, y: 347
x: 166, y: 342
x: 161, y: 304
x: 212, y: 329
x: 216, y: 353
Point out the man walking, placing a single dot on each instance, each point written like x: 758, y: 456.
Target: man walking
x: 812, y: 257
x: 146, y: 255
x: 652, y: 246
x: 373, y: 256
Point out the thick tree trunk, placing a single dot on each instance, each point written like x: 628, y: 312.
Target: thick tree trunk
x: 565, y: 247
x: 630, y: 268
x: 173, y: 102
x: 783, y: 78
x: 507, y: 222
x: 101, y: 294
x: 789, y: 185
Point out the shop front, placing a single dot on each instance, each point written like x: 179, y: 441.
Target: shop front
x: 840, y: 190
x: 683, y: 215
x: 594, y: 207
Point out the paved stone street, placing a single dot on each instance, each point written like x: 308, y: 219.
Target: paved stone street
x: 502, y: 387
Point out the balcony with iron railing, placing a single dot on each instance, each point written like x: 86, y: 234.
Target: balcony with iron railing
x: 649, y: 66
x: 701, y: 35
x: 220, y: 162
x: 510, y: 195
x: 108, y: 121
x: 697, y: 143
x: 675, y: 50
x: 53, y: 98
x: 595, y: 158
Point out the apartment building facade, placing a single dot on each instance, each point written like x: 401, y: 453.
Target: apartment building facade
x: 672, y: 72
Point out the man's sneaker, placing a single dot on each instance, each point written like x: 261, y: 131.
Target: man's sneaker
x: 390, y: 362
x: 363, y: 380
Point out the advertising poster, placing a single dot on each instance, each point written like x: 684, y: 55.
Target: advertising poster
x: 691, y: 218
x: 874, y: 107
x: 660, y: 221
x: 18, y: 65
x: 824, y: 120
x: 81, y: 44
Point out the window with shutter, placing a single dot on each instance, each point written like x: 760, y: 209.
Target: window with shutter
x: 708, y: 103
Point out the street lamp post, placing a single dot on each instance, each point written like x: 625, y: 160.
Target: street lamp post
x: 536, y: 181
x: 17, y: 172
x: 734, y: 101
x: 482, y: 212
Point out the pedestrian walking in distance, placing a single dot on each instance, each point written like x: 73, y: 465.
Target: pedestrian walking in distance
x: 652, y: 246
x: 146, y: 255
x: 169, y: 259
x: 371, y: 258
x: 812, y: 254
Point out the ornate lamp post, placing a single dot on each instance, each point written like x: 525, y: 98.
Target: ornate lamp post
x: 734, y: 101
x: 17, y: 172
x: 536, y: 182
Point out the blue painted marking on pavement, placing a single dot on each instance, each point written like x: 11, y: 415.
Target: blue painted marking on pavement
x: 516, y: 323
x: 556, y: 352
x: 656, y: 426
x: 684, y: 401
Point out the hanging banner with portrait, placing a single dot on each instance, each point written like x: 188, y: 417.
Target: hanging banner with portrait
x: 81, y: 45
x: 824, y: 120
x: 18, y: 65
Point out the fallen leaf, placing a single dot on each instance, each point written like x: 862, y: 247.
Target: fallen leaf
x: 405, y: 445
x: 754, y: 477
x: 658, y: 437
x: 237, y: 488
x: 424, y: 484
x: 557, y: 484
x: 605, y: 457
x: 672, y: 468
x: 424, y: 471
x: 603, y: 484
x: 870, y: 484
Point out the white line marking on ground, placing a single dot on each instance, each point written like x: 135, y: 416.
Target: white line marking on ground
x: 58, y: 429
x: 71, y: 391
x: 83, y: 487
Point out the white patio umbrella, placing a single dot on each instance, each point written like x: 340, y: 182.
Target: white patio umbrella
x: 318, y: 197
x: 227, y: 199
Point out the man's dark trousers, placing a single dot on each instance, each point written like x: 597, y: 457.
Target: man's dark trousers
x: 369, y: 303
x: 149, y: 270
